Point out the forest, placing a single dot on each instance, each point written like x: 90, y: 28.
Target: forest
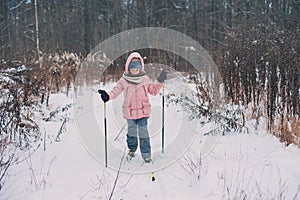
x: 255, y: 45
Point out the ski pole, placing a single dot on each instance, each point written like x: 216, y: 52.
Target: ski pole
x: 163, y: 120
x: 105, y: 133
x: 163, y: 117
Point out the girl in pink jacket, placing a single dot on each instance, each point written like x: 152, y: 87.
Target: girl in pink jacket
x: 136, y: 86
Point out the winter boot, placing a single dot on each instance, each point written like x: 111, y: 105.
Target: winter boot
x: 147, y: 160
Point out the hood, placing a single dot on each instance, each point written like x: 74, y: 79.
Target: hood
x: 132, y: 56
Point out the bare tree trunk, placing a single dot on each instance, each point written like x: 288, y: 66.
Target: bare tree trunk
x: 3, y: 25
x: 37, y: 33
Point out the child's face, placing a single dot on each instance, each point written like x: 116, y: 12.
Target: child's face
x: 134, y: 71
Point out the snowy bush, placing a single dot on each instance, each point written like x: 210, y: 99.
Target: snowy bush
x: 24, y: 91
x: 18, y: 130
x: 202, y: 104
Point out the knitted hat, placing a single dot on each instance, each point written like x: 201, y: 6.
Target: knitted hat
x: 135, y: 65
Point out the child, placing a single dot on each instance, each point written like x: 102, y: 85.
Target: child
x: 136, y: 106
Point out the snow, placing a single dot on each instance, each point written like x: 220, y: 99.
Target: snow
x: 235, y: 166
x: 19, y: 69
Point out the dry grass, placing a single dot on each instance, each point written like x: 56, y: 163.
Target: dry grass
x: 287, y: 130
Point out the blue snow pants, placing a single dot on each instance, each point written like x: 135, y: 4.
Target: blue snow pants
x: 137, y: 129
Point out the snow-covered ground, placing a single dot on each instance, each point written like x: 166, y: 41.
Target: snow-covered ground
x: 194, y: 166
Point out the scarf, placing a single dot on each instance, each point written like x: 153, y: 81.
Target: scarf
x: 136, y: 79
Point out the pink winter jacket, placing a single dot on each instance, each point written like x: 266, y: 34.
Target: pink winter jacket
x: 136, y: 103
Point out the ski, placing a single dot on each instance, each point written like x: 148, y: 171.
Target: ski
x: 117, y: 137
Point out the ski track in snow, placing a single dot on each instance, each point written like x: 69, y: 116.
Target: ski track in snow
x: 239, y: 165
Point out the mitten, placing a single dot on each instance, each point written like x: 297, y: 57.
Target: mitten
x: 163, y: 76
x: 104, y: 95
